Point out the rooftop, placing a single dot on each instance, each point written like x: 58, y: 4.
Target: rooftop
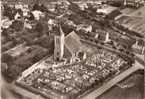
x: 107, y: 9
x: 72, y: 42
x: 133, y: 23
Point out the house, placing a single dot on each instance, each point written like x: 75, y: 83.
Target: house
x: 37, y: 14
x: 5, y: 23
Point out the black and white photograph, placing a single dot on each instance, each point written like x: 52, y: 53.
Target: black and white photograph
x: 72, y: 49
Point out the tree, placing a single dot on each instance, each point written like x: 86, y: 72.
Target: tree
x: 39, y: 27
x: 17, y: 25
x: 8, y: 12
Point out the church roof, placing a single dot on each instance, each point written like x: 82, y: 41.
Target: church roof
x: 72, y: 42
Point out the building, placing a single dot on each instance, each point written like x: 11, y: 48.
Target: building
x: 5, y: 23
x: 139, y: 47
x: 116, y: 3
x: 106, y: 9
x: 72, y: 42
x: 85, y: 27
x: 59, y: 45
x: 73, y: 46
x: 133, y: 3
x: 67, y: 47
x: 109, y: 12
x: 133, y: 25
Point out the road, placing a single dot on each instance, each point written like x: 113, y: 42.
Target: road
x: 135, y: 92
